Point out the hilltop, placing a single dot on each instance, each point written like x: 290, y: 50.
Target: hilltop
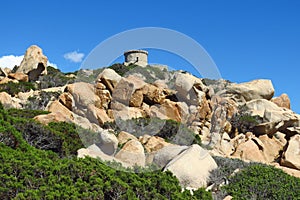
x: 156, y: 132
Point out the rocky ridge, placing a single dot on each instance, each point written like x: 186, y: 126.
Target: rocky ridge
x: 233, y: 120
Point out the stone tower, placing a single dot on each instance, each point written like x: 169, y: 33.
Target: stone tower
x: 137, y: 57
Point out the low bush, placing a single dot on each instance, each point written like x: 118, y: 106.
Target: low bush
x: 244, y: 122
x: 170, y: 130
x: 54, y: 78
x: 122, y: 69
x: 40, y: 101
x: 263, y: 182
x: 14, y: 88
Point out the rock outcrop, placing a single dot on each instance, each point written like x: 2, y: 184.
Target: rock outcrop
x: 132, y: 154
x: 257, y: 89
x: 192, y: 167
x: 8, y: 101
x: 34, y: 63
x: 282, y: 101
x: 291, y: 157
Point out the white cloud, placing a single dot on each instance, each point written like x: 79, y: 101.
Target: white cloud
x: 74, y: 56
x: 10, y: 61
x: 52, y: 64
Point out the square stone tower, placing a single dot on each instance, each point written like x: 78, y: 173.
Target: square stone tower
x: 137, y: 57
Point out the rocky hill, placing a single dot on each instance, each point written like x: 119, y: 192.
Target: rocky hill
x: 147, y: 116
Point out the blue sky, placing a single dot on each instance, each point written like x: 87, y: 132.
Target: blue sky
x: 246, y: 39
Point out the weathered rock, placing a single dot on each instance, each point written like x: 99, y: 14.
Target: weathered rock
x: 249, y: 151
x: 228, y: 197
x: 161, y: 84
x: 192, y: 167
x: 67, y: 100
x: 274, y: 118
x: 155, y: 143
x: 168, y: 110
x: 291, y: 157
x: 109, y: 78
x: 9, y: 102
x: 34, y: 63
x: 18, y: 76
x: 124, y: 137
x: 128, y: 113
x: 281, y: 138
x: 125, y: 89
x: 132, y: 154
x: 97, y: 115
x: 86, y: 124
x: 52, y: 117
x: 144, y: 138
x: 94, y: 151
x: 166, y: 154
x: 189, y: 88
x: 154, y: 95
x: 83, y: 94
x: 282, y: 101
x: 291, y: 131
x: 292, y: 172
x: 136, y: 99
x: 23, y: 96
x: 57, y: 107
x: 105, y: 98
x: 256, y: 89
x: 5, y: 80
x: 272, y: 147
x: 225, y: 147
x: 108, y: 142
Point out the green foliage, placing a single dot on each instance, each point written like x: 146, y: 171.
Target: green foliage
x: 226, y: 167
x: 54, y: 78
x: 150, y: 73
x: 170, y: 130
x: 245, y: 122
x: 40, y: 102
x: 14, y: 88
x: 122, y: 69
x: 25, y: 113
x: 38, y: 162
x: 263, y: 182
x: 88, y: 76
x: 35, y: 174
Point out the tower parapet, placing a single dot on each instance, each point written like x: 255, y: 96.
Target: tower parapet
x: 137, y: 57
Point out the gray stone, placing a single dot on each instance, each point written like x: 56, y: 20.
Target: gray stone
x: 291, y: 157
x: 256, y: 89
x: 192, y: 167
x: 166, y: 154
x: 132, y: 154
x: 108, y: 142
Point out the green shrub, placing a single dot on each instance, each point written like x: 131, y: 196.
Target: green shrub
x: 35, y: 174
x: 14, y: 88
x: 40, y: 102
x: 245, y: 122
x: 170, y: 130
x: 226, y: 167
x: 54, y: 78
x: 263, y: 182
x: 122, y: 69
x: 25, y: 113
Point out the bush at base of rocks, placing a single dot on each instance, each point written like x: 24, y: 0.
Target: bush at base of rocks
x: 263, y: 182
x: 172, y: 131
x: 14, y: 88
